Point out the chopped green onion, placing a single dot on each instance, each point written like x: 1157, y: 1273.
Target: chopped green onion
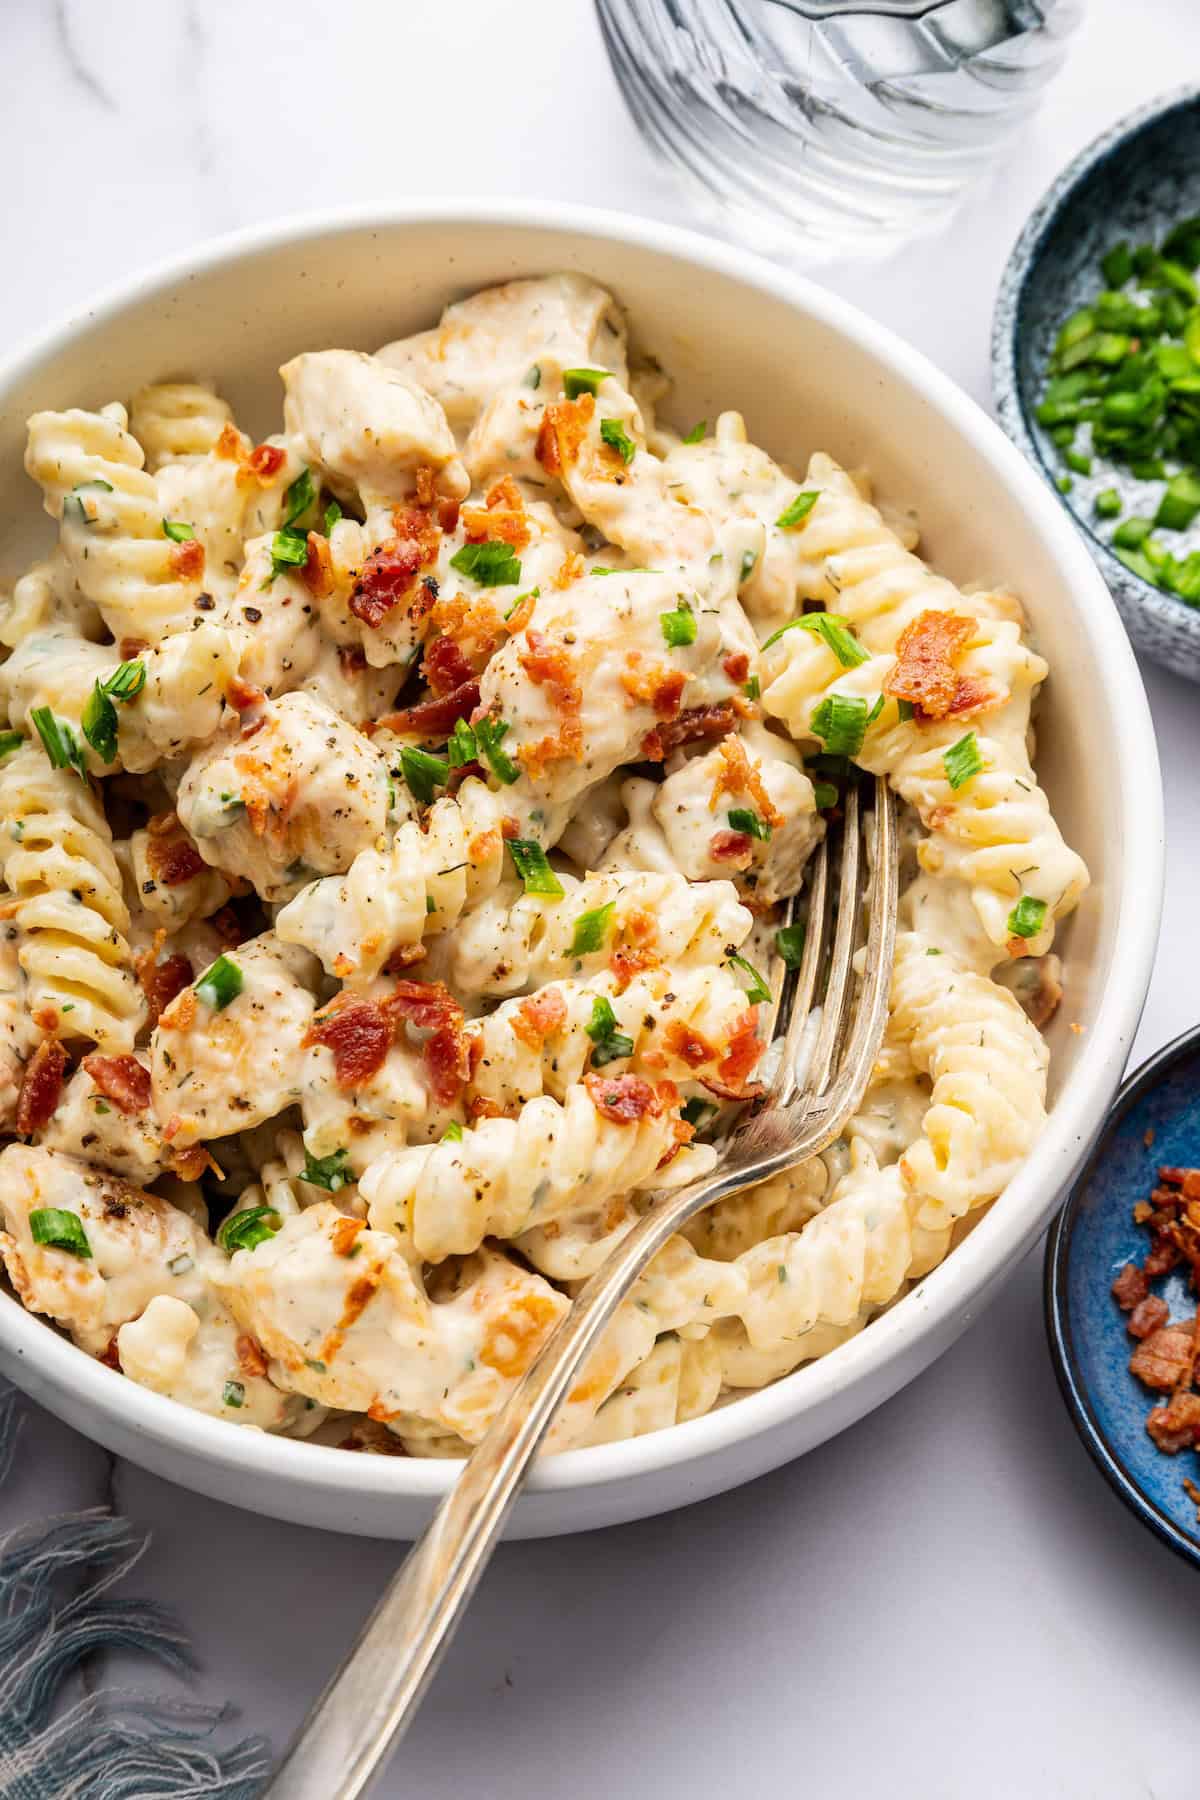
x: 328, y: 1172
x: 1064, y: 484
x: 1137, y: 562
x: 962, y: 760
x: 789, y: 942
x: 59, y: 741
x: 751, y: 688
x: 220, y: 984
x: 591, y: 929
x: 698, y: 433
x: 532, y: 865
x: 758, y: 989
x: 824, y: 795
x: 1117, y: 264
x: 749, y: 559
x: 492, y: 563
x: 1027, y: 917
x: 453, y: 1133
x: 9, y: 741
x: 1180, y: 503
x: 1076, y: 460
x: 73, y: 506
x: 607, y: 1042
x: 679, y: 627
x: 1132, y: 533
x: 1182, y: 243
x: 533, y: 594
x: 127, y: 681
x: 696, y: 1110
x: 905, y: 710
x: 247, y: 1230
x: 617, y: 438
x: 742, y: 818
x: 99, y: 722
x: 60, y: 1229
x: 488, y: 733
x: 234, y: 1393
x: 798, y: 510
x: 333, y: 513
x: 300, y: 496
x: 1107, y: 503
x: 289, y: 550
x: 462, y: 747
x: 178, y: 531
x: 841, y: 722
x: 582, y: 381
x: 423, y: 773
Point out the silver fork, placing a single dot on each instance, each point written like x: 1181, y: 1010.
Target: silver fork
x: 817, y: 1085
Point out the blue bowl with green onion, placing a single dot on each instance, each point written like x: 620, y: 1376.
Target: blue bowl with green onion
x: 1096, y: 364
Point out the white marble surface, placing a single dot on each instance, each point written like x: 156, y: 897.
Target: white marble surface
x: 944, y: 1600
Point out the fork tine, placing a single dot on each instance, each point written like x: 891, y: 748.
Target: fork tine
x: 797, y: 997
x: 870, y: 1017
x: 837, y: 985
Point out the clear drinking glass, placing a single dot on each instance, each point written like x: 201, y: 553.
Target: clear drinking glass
x: 833, y: 126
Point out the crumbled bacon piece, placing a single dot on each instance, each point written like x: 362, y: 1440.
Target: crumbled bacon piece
x: 121, y: 1079
x: 385, y: 578
x: 627, y: 963
x: 1176, y: 1425
x: 343, y: 1236
x: 317, y: 573
x: 562, y: 431
x: 243, y: 696
x: 926, y: 669
x: 171, y: 856
x: 539, y: 1017
x: 1130, y: 1287
x: 741, y: 1056
x: 251, y: 1360
x: 502, y: 517
x: 569, y: 569
x: 696, y: 724
x: 480, y: 1107
x: 658, y: 685
x: 129, y: 647
x: 186, y: 560
x: 1186, y: 1180
x: 358, y: 1032
x: 231, y: 445
x: 739, y: 775
x: 732, y: 847
x: 737, y: 666
x: 430, y: 1006
x: 549, y: 665
x: 690, y: 1046
x: 161, y: 982
x: 445, y: 668
x: 434, y: 719
x: 262, y: 465
x: 227, y: 926
x: 41, y: 1087
x: 1147, y: 1316
x: 404, y: 958
x: 1164, y: 1359
x: 625, y: 1099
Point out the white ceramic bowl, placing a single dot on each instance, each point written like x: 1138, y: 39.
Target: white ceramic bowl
x: 808, y: 372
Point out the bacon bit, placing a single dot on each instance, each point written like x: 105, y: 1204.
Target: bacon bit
x: 741, y: 1057
x: 502, y: 518
x: 690, y: 1046
x: 625, y: 1099
x: 41, y: 1087
x: 697, y: 723
x: 171, y: 856
x: 445, y: 668
x: 433, y: 719
x: 250, y: 1359
x: 181, y: 1014
x: 1186, y: 1180
x: 521, y: 614
x: 539, y: 1017
x: 231, y: 444
x: 262, y: 465
x: 186, y: 560
x: 109, y: 1356
x: 738, y: 775
x: 243, y: 696
x: 317, y: 573
x: 625, y: 964
x: 562, y: 431
x: 121, y: 1079
x: 1164, y: 1359
x: 1147, y: 1316
x: 659, y: 686
x: 191, y: 1164
x: 430, y: 1006
x: 424, y: 483
x: 343, y: 1236
x: 384, y: 579
x: 404, y: 958
x: 370, y: 1437
x: 732, y: 847
x: 1130, y: 1287
x: 359, y: 1034
x: 161, y: 982
x: 228, y: 927
x: 481, y: 1108
x: 1177, y: 1424
x: 549, y: 665
x: 509, y: 827
x: 129, y: 647
x: 737, y: 666
x: 926, y: 668
x: 570, y: 569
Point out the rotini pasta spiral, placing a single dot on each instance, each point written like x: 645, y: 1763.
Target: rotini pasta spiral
x: 172, y: 419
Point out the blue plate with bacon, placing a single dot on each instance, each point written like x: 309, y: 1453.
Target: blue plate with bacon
x: 1122, y: 1274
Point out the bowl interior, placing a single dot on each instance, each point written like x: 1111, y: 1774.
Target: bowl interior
x: 808, y: 374
x: 1134, y: 184
x: 1095, y: 1238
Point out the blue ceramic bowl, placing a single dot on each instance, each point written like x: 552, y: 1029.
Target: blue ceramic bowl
x: 1092, y: 1238
x: 1135, y: 182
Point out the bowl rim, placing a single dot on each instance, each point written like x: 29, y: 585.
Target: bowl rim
x: 1057, y: 1311
x: 993, y: 1247
x: 1008, y: 320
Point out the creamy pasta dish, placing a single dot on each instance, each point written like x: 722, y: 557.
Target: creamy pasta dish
x: 394, y: 820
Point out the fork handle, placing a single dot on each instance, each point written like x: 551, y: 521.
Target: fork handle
x: 372, y: 1699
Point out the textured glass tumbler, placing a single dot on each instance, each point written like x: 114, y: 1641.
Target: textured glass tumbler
x: 827, y: 127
